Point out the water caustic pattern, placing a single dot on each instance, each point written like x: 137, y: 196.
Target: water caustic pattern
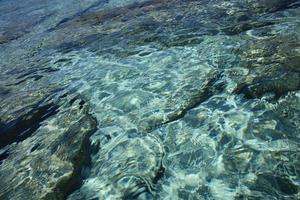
x: 155, y: 99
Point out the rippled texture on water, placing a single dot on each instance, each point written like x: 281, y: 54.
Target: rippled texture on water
x: 150, y: 99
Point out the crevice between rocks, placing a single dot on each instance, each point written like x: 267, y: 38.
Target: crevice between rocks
x: 278, y: 86
x: 66, y: 187
x: 210, y: 89
x: 24, y: 126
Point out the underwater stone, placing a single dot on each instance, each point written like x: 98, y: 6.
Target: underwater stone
x: 124, y: 168
x: 270, y: 5
x: 22, y: 128
x: 47, y: 165
x: 272, y: 66
x: 175, y: 70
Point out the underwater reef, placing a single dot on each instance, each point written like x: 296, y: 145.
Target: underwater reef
x: 150, y: 99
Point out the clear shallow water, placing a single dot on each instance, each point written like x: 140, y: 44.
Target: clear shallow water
x: 149, y: 100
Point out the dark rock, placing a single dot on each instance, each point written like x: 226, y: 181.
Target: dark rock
x: 270, y: 5
x: 22, y: 128
x: 47, y: 165
x: 272, y: 65
x: 268, y: 183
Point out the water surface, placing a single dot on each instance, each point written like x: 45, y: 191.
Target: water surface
x: 150, y: 99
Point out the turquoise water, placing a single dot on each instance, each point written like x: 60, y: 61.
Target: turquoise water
x: 128, y: 99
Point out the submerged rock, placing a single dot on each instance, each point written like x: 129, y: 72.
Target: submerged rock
x: 271, y: 60
x: 124, y: 168
x: 190, y: 99
x: 271, y: 5
x: 47, y: 165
